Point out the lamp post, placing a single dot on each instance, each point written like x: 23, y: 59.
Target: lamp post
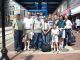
x: 4, y: 50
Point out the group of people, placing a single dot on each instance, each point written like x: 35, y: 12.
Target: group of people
x: 53, y: 29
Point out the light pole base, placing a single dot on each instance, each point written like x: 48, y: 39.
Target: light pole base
x: 4, y: 54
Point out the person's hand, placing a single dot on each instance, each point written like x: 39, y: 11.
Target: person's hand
x: 45, y: 33
x: 56, y: 34
x: 24, y: 39
x: 13, y: 32
x: 32, y: 33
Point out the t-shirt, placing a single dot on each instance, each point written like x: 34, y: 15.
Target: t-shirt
x: 68, y: 24
x: 37, y: 26
x: 28, y: 23
x: 50, y: 23
x: 61, y: 24
x: 54, y: 31
x: 18, y: 24
x: 45, y: 26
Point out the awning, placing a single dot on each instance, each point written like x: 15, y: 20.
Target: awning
x: 75, y: 11
x: 66, y: 12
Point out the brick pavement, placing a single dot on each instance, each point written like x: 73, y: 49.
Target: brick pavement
x: 76, y: 45
x: 72, y: 56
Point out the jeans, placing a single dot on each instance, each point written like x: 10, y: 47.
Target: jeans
x: 46, y: 38
x: 18, y: 35
x: 37, y: 40
x: 68, y: 36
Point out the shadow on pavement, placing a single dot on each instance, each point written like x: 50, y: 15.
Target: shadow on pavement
x: 15, y: 55
x: 29, y: 57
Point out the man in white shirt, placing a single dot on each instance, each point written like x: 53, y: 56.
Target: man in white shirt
x: 28, y: 28
x: 68, y: 28
x: 37, y: 32
x: 77, y: 24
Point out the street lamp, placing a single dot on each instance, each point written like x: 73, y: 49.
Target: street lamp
x: 4, y: 50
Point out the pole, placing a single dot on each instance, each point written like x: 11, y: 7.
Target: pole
x: 4, y: 50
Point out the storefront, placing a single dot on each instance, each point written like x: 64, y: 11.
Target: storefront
x: 75, y: 8
x: 76, y: 11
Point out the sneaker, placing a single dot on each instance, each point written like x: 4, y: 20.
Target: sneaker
x: 18, y: 49
x: 25, y: 48
x: 57, y: 50
x: 54, y: 50
x: 28, y: 49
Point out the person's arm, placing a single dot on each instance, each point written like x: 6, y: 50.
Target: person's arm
x: 57, y: 24
x: 57, y: 32
x: 43, y: 31
x: 42, y: 28
x: 33, y: 26
x: 71, y: 23
x: 48, y: 30
x: 23, y: 29
x: 13, y: 25
x: 51, y: 32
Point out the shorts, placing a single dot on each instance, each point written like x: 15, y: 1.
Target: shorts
x: 54, y: 39
x: 28, y: 34
x: 62, y: 34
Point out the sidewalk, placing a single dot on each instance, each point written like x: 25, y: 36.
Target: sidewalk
x: 53, y: 56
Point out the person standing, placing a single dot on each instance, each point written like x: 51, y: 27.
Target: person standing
x: 50, y: 23
x: 54, y: 34
x: 68, y: 29
x: 77, y: 24
x: 37, y: 32
x: 18, y: 32
x: 45, y: 32
x: 28, y: 29
x: 61, y: 26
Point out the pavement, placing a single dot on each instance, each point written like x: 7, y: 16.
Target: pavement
x: 70, y: 52
x: 69, y: 56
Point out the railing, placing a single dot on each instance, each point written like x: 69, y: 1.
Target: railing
x: 7, y: 39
